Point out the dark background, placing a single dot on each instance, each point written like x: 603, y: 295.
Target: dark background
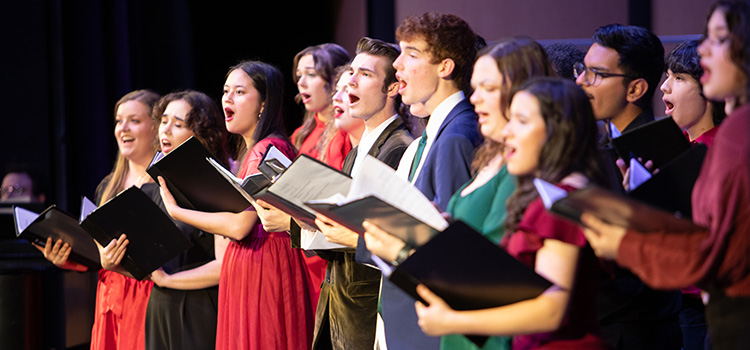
x: 66, y: 63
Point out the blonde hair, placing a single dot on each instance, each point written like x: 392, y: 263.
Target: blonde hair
x: 117, y: 176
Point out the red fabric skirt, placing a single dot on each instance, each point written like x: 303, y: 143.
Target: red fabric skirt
x: 120, y: 315
x: 265, y: 295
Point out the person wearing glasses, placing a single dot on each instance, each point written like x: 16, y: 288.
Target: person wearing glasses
x: 620, y: 74
x: 22, y: 183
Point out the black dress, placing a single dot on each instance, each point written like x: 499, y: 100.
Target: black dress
x: 183, y: 319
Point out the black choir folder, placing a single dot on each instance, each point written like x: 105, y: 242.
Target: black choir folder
x: 468, y: 271
x: 659, y: 141
x: 305, y: 179
x: 58, y: 224
x: 154, y: 238
x: 671, y: 187
x: 197, y: 181
x: 610, y: 207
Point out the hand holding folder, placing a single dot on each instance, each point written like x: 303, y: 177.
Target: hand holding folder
x: 387, y: 201
x: 54, y: 226
x: 658, y: 141
x: 468, y: 272
x: 197, y: 181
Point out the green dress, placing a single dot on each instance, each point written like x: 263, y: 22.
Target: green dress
x: 483, y: 210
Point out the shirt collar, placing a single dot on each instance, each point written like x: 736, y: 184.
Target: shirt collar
x: 441, y: 112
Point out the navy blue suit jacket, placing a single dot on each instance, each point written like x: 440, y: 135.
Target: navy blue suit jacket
x: 446, y: 167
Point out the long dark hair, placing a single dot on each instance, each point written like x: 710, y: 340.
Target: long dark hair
x: 204, y: 119
x: 269, y: 81
x: 570, y: 145
x: 518, y: 59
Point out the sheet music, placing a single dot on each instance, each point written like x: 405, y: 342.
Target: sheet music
x: 303, y: 183
x: 378, y: 179
x: 24, y: 218
x: 312, y: 240
x: 549, y: 192
x: 275, y: 153
x: 87, y: 206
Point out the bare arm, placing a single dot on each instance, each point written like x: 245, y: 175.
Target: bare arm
x: 233, y: 225
x: 556, y: 261
x: 204, y: 276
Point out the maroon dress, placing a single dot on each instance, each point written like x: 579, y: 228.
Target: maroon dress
x: 579, y: 328
x: 265, y: 295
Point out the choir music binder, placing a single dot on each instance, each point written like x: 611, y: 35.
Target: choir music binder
x: 57, y: 224
x: 390, y: 202
x: 154, y: 238
x: 305, y: 179
x: 610, y: 207
x: 468, y: 271
x: 671, y: 187
x: 197, y: 181
x: 381, y: 213
x: 658, y: 141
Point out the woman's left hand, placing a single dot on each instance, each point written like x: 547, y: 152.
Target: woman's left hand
x: 160, y: 278
x: 434, y: 319
x: 169, y: 202
x: 111, y: 255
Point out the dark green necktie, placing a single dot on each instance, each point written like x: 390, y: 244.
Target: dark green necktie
x: 418, y: 155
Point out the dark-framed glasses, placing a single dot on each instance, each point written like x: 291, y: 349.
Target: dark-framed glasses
x: 14, y: 189
x: 593, y: 76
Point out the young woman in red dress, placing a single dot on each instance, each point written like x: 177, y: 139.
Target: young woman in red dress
x: 551, y: 135
x: 266, y: 298
x: 120, y: 313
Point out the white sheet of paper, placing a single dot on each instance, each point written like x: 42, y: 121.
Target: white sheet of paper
x: 378, y: 179
x: 275, y: 153
x: 312, y: 240
x: 24, y: 218
x: 87, y: 206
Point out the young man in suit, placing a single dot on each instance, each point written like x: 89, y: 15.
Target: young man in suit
x: 620, y: 73
x: 434, y: 70
x: 347, y: 308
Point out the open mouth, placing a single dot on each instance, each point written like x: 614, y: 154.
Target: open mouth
x: 508, y: 151
x: 353, y: 99
x: 337, y: 111
x: 305, y: 97
x: 401, y: 85
x: 228, y: 114
x: 127, y: 139
x: 669, y: 107
x: 165, y: 143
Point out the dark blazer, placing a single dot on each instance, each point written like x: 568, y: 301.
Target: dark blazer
x: 631, y: 314
x: 347, y: 308
x: 446, y: 168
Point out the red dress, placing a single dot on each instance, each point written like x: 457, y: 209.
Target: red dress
x: 315, y: 265
x: 580, y: 327
x: 337, y: 150
x: 120, y: 315
x: 120, y: 312
x: 265, y: 294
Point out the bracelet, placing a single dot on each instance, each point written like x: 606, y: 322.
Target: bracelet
x: 403, y: 254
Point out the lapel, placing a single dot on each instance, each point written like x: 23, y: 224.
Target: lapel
x: 375, y: 149
x: 460, y: 108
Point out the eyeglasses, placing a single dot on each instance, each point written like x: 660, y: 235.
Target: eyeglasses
x: 593, y: 76
x: 17, y: 189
